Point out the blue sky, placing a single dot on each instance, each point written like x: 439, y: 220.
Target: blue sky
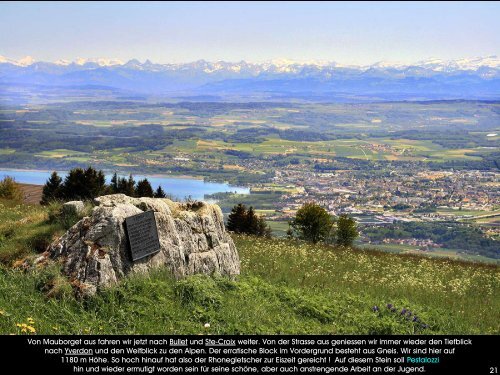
x: 356, y: 32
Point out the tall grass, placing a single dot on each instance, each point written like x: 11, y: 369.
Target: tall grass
x: 285, y: 287
x: 24, y: 230
x: 468, y: 293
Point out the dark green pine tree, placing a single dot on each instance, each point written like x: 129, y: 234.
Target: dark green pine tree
x: 121, y: 185
x: 159, y: 193
x: 74, y: 185
x: 144, y: 189
x: 94, y: 182
x: 263, y: 230
x: 129, y: 188
x: 52, y: 190
x: 237, y: 221
x: 113, y: 187
x: 84, y: 184
x: 256, y: 224
x: 101, y: 183
x: 251, y: 225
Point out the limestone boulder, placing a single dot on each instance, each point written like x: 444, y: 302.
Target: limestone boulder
x: 73, y: 208
x: 95, y: 252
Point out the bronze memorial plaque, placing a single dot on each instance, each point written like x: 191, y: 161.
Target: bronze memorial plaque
x: 142, y: 235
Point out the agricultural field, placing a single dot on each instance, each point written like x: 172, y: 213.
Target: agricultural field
x: 242, y: 138
x: 472, y: 213
x: 7, y: 151
x: 279, y: 228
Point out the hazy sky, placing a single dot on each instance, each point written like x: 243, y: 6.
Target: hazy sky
x: 346, y: 32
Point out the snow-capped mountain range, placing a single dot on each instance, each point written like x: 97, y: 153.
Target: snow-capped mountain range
x: 280, y: 65
x: 474, y: 78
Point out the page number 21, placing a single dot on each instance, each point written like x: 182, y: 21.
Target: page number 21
x: 493, y: 370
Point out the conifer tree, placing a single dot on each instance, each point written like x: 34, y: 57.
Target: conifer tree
x: 74, y: 185
x: 263, y: 230
x: 159, y: 193
x: 241, y: 220
x: 144, y: 189
x: 237, y: 218
x: 113, y: 187
x: 94, y: 183
x: 251, y: 225
x: 121, y: 185
x: 52, y: 190
x: 129, y: 188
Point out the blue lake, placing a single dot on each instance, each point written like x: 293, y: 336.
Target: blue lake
x: 176, y: 186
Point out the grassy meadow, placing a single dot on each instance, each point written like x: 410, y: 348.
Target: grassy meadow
x: 285, y: 287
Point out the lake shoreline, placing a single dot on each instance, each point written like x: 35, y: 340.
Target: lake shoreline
x: 120, y: 173
x: 179, y: 187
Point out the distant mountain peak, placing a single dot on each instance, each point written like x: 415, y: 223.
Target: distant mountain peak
x: 98, y: 61
x: 273, y: 66
x: 62, y: 62
x: 5, y: 60
x: 134, y: 63
x: 25, y: 61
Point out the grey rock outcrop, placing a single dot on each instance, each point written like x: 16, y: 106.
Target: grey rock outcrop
x: 95, y: 251
x: 73, y: 208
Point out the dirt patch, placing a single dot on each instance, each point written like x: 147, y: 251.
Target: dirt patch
x: 32, y: 193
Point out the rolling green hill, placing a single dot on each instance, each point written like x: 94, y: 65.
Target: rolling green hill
x: 285, y: 287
